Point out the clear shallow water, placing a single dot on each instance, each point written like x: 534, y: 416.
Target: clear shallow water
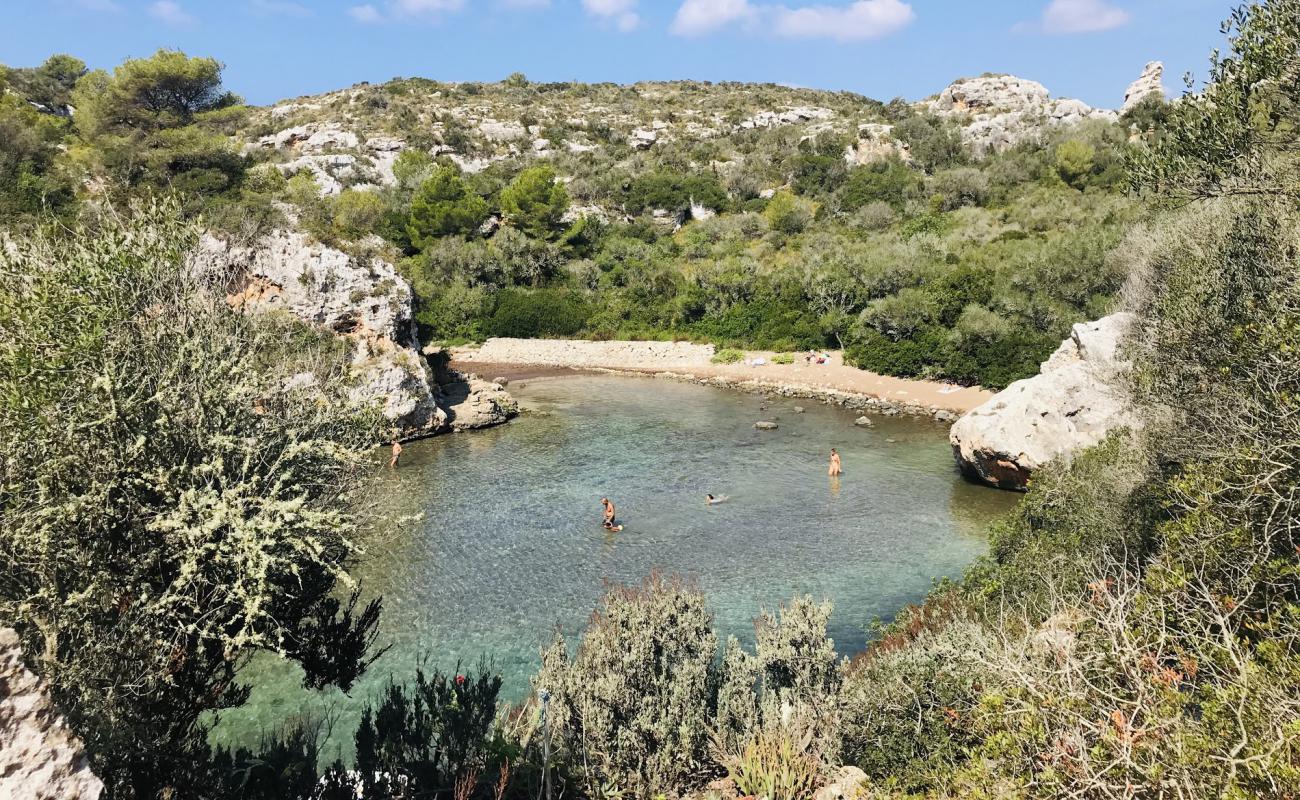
x: 510, y: 548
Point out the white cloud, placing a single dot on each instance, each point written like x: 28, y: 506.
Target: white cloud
x: 1078, y: 16
x: 622, y: 13
x: 698, y: 17
x: 171, y: 13
x: 366, y: 13
x: 864, y: 19
x: 861, y: 19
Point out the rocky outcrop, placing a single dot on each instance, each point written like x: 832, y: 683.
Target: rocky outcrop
x: 1073, y: 403
x: 1149, y: 83
x: 40, y: 758
x: 474, y: 403
x: 364, y: 300
x: 876, y: 142
x: 1000, y: 111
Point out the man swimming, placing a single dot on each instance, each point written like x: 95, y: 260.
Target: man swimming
x: 610, y: 523
x: 837, y: 468
x: 713, y: 501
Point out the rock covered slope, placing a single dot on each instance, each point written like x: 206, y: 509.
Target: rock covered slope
x: 368, y: 303
x: 40, y: 758
x: 351, y: 138
x: 1073, y: 403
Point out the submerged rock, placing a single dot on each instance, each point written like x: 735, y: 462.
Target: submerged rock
x: 766, y: 426
x: 862, y: 422
x: 40, y: 757
x: 1073, y: 403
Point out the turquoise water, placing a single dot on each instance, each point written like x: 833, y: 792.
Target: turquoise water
x: 508, y: 545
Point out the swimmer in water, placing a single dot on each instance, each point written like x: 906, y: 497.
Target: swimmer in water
x: 610, y: 523
x: 397, y: 454
x: 837, y: 469
x: 713, y: 501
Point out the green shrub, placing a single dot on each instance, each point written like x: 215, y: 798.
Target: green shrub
x: 543, y: 313
x: 443, y: 206
x: 783, y: 358
x: 632, y: 706
x: 728, y: 356
x: 775, y: 763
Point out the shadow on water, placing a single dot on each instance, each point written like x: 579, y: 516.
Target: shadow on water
x: 490, y: 542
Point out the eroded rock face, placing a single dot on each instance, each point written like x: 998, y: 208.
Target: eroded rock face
x: 1000, y: 111
x: 367, y: 302
x: 1150, y: 82
x: 40, y: 758
x: 1073, y: 403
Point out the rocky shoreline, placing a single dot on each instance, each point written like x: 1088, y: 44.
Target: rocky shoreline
x: 853, y: 401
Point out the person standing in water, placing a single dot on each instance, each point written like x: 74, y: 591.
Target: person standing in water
x: 610, y: 523
x: 837, y: 469
x: 397, y: 454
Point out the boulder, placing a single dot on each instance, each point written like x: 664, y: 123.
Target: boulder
x: 1149, y: 83
x: 862, y: 422
x: 843, y: 786
x: 472, y: 403
x: 766, y: 426
x: 40, y: 758
x: 1073, y: 403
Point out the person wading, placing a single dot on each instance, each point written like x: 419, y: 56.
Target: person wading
x: 837, y: 469
x: 610, y: 524
x: 397, y: 454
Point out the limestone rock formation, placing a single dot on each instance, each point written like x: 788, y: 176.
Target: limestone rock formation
x: 40, y: 758
x: 366, y: 301
x: 1150, y: 82
x: 1000, y: 111
x: 472, y: 402
x: 1073, y: 403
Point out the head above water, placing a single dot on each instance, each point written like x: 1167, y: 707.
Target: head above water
x: 709, y: 496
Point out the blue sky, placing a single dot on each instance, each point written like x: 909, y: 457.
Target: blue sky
x: 274, y: 49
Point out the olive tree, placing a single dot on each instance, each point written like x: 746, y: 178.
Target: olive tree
x: 169, y: 506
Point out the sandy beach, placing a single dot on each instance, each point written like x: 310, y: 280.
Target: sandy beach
x: 530, y: 358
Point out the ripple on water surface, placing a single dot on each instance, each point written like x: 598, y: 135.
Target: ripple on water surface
x: 509, y: 546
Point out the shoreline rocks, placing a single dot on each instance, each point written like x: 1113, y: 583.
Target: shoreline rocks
x: 40, y: 757
x: 1076, y: 400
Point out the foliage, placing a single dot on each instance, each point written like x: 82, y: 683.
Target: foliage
x: 534, y: 202
x: 167, y: 509
x: 167, y: 90
x: 674, y: 191
x: 631, y: 706
x: 421, y: 740
x: 444, y: 206
x: 728, y: 356
x: 536, y: 314
x: 776, y: 763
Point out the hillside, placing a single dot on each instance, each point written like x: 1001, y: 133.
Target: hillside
x: 957, y: 237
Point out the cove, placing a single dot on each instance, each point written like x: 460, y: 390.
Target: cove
x: 490, y: 542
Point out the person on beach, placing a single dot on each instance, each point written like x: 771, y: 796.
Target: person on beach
x: 397, y: 454
x: 610, y: 523
x: 837, y: 469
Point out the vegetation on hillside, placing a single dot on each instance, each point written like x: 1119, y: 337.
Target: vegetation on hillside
x: 168, y: 508
x: 920, y: 257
